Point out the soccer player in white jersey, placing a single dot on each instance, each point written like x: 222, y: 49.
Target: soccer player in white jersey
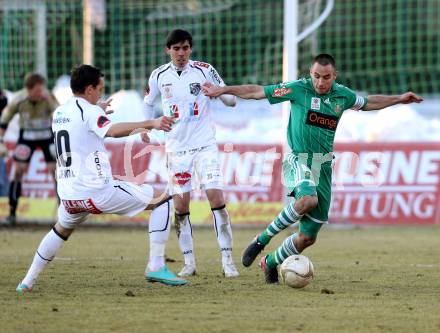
x: 84, y: 175
x: 192, y: 154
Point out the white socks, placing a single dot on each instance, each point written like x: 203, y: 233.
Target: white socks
x: 222, y: 225
x: 159, y: 231
x: 157, y: 257
x: 184, y: 233
x: 49, y: 246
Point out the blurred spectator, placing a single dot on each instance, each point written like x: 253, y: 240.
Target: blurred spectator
x: 35, y: 106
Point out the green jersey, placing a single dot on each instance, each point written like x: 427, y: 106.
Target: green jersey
x: 313, y: 118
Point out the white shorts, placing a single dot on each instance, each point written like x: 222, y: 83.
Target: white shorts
x: 193, y: 169
x: 122, y: 198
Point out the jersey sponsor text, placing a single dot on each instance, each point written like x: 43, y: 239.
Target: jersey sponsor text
x: 280, y: 92
x: 80, y: 206
x: 322, y: 120
x: 201, y: 64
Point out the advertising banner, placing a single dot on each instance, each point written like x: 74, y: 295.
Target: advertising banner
x: 386, y: 183
x: 393, y: 183
x: 252, y: 182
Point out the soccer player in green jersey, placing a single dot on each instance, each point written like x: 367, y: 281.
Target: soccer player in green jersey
x: 317, y: 104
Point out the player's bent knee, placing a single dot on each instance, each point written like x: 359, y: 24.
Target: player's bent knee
x: 215, y: 197
x: 158, y: 203
x: 311, y: 202
x: 181, y: 209
x: 64, y: 233
x: 306, y: 204
x: 181, y: 202
x: 218, y: 202
x: 159, y: 197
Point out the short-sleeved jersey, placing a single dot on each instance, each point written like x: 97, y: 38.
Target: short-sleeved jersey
x: 313, y: 118
x: 83, y: 165
x: 35, y: 117
x: 182, y: 98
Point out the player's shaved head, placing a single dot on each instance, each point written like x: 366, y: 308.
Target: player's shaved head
x: 178, y: 36
x: 324, y: 59
x: 323, y: 73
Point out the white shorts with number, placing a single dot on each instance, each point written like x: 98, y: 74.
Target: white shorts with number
x: 122, y: 198
x: 194, y: 169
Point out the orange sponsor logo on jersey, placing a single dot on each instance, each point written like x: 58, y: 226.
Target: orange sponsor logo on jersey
x: 322, y: 120
x: 280, y: 92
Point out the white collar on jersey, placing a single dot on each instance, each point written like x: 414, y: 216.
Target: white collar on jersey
x: 174, y: 68
x: 75, y: 97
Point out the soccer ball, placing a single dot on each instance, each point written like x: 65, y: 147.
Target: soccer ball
x: 296, y: 271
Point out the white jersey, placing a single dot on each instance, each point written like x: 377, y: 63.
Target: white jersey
x: 83, y: 165
x: 182, y: 98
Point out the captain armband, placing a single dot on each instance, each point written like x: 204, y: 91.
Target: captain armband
x: 359, y: 103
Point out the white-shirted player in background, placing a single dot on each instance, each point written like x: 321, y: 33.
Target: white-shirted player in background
x: 85, y: 181
x: 192, y: 154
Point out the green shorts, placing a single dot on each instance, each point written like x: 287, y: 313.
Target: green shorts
x: 302, y: 176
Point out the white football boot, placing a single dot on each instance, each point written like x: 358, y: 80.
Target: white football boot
x: 229, y: 270
x: 188, y: 270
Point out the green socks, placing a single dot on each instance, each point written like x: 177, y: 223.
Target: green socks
x: 285, y: 218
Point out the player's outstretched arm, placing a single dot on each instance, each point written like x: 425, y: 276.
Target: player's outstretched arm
x: 377, y: 102
x: 248, y: 91
x: 125, y: 129
x: 228, y: 100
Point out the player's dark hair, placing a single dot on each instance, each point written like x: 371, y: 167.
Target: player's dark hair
x: 178, y: 36
x: 324, y: 59
x: 32, y: 79
x: 83, y: 76
x: 3, y: 101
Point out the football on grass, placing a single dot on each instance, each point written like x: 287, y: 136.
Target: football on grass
x: 296, y: 271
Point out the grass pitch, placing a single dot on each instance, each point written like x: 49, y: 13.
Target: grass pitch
x: 367, y: 280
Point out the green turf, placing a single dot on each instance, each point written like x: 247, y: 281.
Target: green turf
x: 383, y: 279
